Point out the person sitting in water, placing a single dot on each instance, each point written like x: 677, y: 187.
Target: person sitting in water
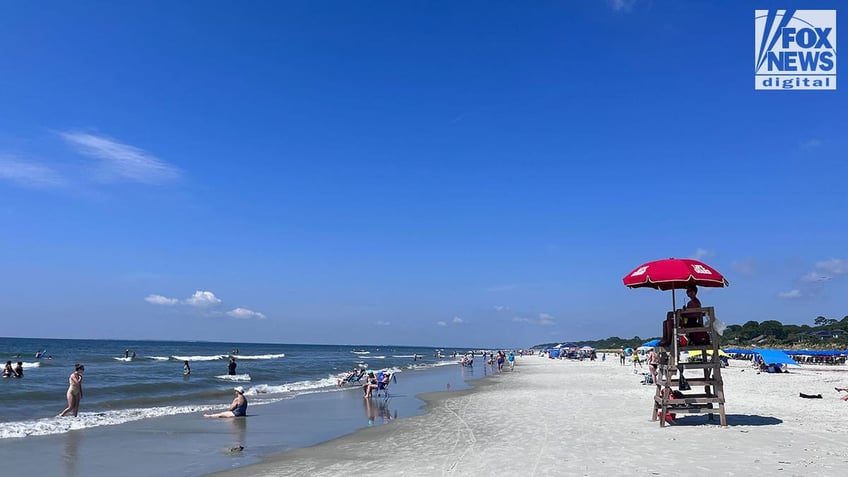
x: 238, y: 408
x: 383, y: 380
x: 348, y: 377
x: 370, y: 384
x: 19, y: 370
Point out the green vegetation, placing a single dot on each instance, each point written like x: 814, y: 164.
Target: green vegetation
x: 826, y: 333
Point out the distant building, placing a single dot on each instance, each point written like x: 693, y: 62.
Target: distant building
x: 826, y: 334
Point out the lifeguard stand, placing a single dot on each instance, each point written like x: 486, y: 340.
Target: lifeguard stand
x: 672, y: 367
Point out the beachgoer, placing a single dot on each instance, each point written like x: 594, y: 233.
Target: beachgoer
x: 653, y: 363
x: 126, y: 353
x: 511, y: 359
x: 636, y: 360
x: 501, y: 358
x: 370, y: 384
x: 8, y: 371
x: 621, y: 356
x: 845, y: 397
x: 74, y: 393
x: 19, y: 370
x: 346, y: 378
x: 132, y: 355
x: 186, y: 368
x: 238, y: 408
x: 231, y: 368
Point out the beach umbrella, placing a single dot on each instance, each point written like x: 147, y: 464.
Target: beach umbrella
x: 650, y: 344
x: 673, y: 274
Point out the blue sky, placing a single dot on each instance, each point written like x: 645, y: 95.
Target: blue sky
x: 423, y: 173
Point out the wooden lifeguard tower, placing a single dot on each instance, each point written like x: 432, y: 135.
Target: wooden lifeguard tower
x: 705, y: 393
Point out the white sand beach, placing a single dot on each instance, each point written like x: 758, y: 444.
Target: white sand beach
x: 553, y: 417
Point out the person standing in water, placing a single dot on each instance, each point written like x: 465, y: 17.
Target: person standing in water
x: 74, y: 394
x: 231, y: 368
x: 186, y: 368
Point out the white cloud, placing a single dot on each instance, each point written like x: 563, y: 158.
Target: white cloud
x: 441, y: 323
x: 202, y: 299
x: 790, y: 294
x: 245, y: 314
x: 546, y: 319
x: 120, y: 161
x: 542, y: 319
x: 622, y: 5
x: 501, y: 308
x: 836, y: 266
x: 161, y: 300
x: 815, y: 277
x: 457, y: 320
x: 382, y: 323
x: 28, y: 174
x: 702, y: 253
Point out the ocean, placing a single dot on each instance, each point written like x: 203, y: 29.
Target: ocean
x: 152, y: 384
x: 141, y: 416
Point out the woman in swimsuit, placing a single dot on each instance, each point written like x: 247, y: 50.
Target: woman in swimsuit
x: 7, y: 371
x: 74, y: 391
x: 238, y: 408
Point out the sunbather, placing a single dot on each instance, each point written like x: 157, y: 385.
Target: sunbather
x: 845, y: 397
x: 370, y: 385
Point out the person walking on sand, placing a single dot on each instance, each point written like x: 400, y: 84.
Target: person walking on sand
x: 74, y: 393
x: 238, y: 408
x: 636, y: 360
x: 653, y: 363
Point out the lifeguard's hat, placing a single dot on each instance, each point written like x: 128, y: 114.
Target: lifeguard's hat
x: 239, y: 389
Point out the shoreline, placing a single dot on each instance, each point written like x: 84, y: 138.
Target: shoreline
x: 188, y: 444
x: 552, y: 417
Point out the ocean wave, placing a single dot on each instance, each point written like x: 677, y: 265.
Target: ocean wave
x: 26, y: 365
x: 159, y: 358
x: 85, y: 420
x: 200, y: 358
x: 260, y: 356
x: 234, y: 377
x: 122, y: 358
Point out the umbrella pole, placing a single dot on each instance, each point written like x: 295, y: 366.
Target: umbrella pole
x: 673, y: 299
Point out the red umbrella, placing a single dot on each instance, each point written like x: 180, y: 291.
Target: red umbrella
x: 674, y: 273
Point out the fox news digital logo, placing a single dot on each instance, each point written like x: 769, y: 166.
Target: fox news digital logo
x: 795, y: 49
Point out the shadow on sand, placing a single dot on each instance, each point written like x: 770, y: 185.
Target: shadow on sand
x: 732, y: 420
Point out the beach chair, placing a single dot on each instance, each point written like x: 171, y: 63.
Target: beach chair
x: 383, y: 388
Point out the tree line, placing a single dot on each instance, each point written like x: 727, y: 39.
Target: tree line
x: 825, y: 333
